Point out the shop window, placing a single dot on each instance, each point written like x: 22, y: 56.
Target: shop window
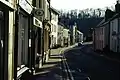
x: 23, y: 40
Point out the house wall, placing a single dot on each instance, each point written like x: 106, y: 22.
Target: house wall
x: 119, y: 32
x: 99, y: 38
x: 54, y: 27
x: 106, y: 37
x: 60, y: 35
x: 113, y: 40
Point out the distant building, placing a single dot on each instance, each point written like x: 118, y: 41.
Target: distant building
x: 60, y: 34
x: 66, y: 37
x: 79, y: 36
x: 73, y: 33
x: 54, y: 27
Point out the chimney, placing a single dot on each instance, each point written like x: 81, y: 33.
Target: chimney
x: 108, y: 14
x: 117, y: 7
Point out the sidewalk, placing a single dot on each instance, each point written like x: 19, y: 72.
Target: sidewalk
x: 52, y: 69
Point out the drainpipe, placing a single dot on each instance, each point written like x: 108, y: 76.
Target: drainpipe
x: 16, y: 41
x: 118, y: 37
x: 50, y: 31
x: 94, y: 37
x: 109, y: 35
x: 43, y: 42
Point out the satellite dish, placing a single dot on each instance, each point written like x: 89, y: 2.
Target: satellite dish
x: 39, y: 12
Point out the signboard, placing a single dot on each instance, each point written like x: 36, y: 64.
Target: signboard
x: 29, y: 42
x: 30, y: 2
x: 37, y: 23
x: 26, y: 6
x: 39, y: 12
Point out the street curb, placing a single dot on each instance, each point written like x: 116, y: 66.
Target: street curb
x: 65, y: 64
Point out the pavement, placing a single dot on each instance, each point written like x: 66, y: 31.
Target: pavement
x: 78, y: 63
x: 54, y: 68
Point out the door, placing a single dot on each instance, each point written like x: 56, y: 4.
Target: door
x: 23, y: 40
x: 1, y: 44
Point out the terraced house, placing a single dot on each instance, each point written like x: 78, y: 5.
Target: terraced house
x: 24, y: 37
x: 7, y: 25
x: 106, y: 34
x: 54, y: 27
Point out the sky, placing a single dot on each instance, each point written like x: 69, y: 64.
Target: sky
x: 81, y: 4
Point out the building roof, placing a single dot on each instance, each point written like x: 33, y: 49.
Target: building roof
x: 115, y: 16
x: 54, y: 10
x: 101, y: 23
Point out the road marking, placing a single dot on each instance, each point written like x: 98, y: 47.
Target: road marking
x: 72, y: 78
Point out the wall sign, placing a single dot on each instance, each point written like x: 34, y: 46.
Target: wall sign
x: 37, y: 23
x: 26, y: 6
x: 30, y: 2
x: 39, y: 12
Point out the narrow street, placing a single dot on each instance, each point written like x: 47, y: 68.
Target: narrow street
x: 84, y: 64
x: 78, y: 63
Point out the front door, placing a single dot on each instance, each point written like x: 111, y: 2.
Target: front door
x: 1, y: 44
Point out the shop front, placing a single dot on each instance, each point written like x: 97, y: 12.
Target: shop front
x: 22, y: 57
x: 6, y: 40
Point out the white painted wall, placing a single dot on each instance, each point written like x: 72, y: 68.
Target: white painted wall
x: 65, y: 33
x: 113, y: 41
x: 54, y: 27
x: 119, y: 36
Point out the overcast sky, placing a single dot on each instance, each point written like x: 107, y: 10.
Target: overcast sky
x: 81, y: 4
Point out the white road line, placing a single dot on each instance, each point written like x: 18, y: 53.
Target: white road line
x: 72, y: 78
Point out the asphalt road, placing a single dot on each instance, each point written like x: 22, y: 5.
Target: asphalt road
x: 86, y: 65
